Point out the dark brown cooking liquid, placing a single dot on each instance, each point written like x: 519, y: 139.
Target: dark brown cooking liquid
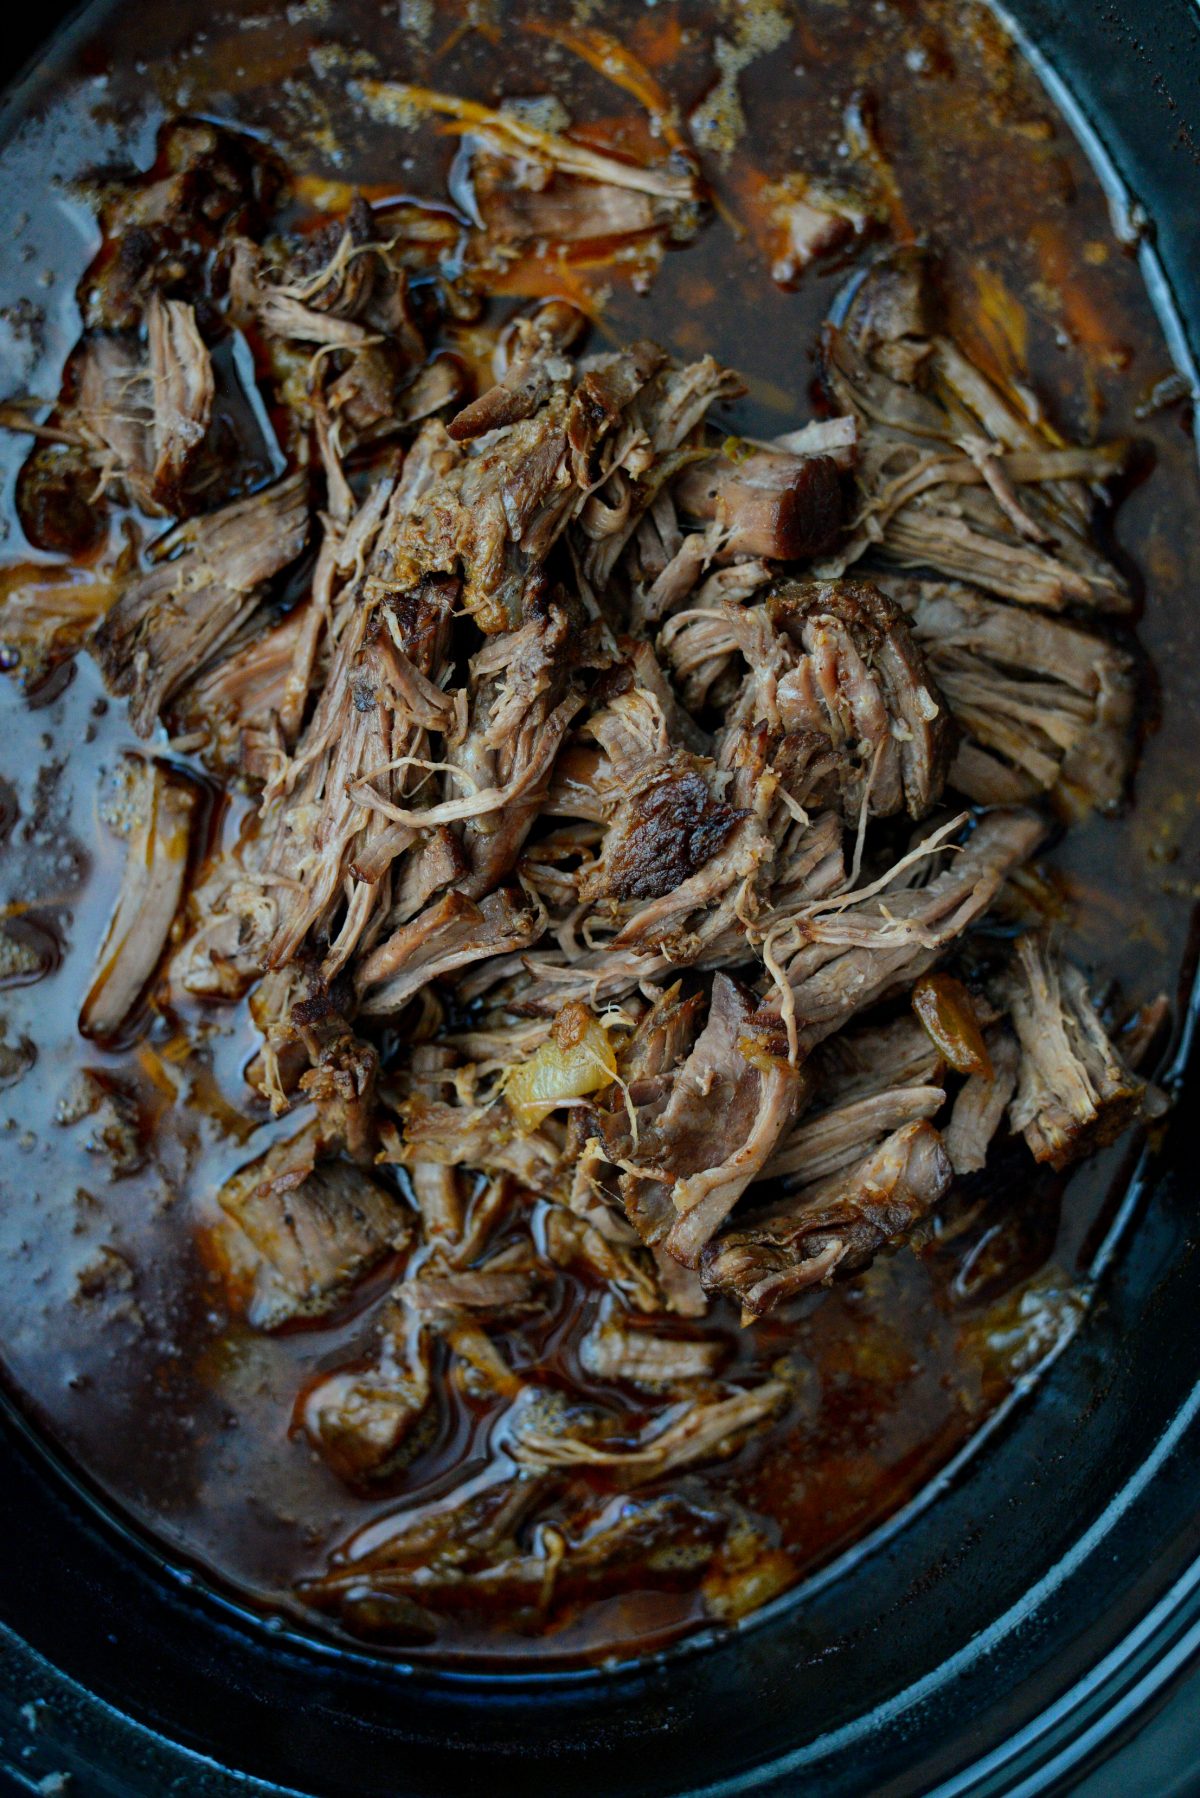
x: 115, y: 1338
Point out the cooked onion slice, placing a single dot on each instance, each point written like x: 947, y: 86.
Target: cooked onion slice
x: 575, y: 1060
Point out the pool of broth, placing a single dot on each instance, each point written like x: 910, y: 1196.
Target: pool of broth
x: 116, y: 1340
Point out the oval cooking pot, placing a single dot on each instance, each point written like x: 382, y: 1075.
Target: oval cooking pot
x: 1036, y: 1623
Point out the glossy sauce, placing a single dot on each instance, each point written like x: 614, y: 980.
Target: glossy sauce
x: 116, y: 1338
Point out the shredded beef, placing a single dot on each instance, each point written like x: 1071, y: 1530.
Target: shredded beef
x: 836, y: 1227
x: 207, y: 577
x: 951, y: 474
x: 1074, y: 1092
x: 572, y: 887
x: 160, y: 810
x: 296, y: 1232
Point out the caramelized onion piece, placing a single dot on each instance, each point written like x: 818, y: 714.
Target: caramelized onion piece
x: 946, y: 1009
x: 577, y: 1059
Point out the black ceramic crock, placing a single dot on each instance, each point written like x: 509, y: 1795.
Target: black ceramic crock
x: 1034, y: 1629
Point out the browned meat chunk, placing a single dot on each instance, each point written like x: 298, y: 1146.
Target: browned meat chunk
x: 207, y: 578
x: 616, y: 1349
x: 833, y: 673
x: 731, y: 1101
x: 449, y: 934
x: 206, y: 185
x: 854, y: 955
x: 837, y: 1227
x: 295, y: 1233
x: 765, y: 503
x: 952, y: 475
x: 1074, y: 1092
x: 701, y: 1430
x: 980, y: 1106
x: 159, y: 812
x: 1041, y: 705
x: 538, y: 360
x: 344, y: 285
x: 326, y: 269
x: 499, y: 502
x: 443, y: 1560
x: 674, y: 853
x: 344, y: 291
x: 804, y: 220
x: 662, y: 832
x: 862, y: 681
x: 362, y: 1418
